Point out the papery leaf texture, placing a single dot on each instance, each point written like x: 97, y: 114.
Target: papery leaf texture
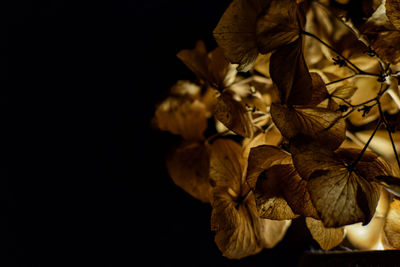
x: 320, y: 123
x: 240, y: 232
x: 188, y: 166
x: 342, y: 193
x: 234, y: 115
x: 327, y: 238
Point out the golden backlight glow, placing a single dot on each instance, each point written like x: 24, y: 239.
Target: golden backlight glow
x: 369, y: 237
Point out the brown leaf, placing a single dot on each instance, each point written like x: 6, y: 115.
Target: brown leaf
x: 261, y: 64
x: 392, y: 225
x: 240, y: 232
x: 290, y: 73
x: 236, y: 32
x: 341, y: 192
x: 188, y: 166
x: 319, y: 91
x: 273, y: 231
x: 271, y: 137
x: 340, y: 95
x: 327, y: 238
x: 196, y: 59
x: 321, y: 124
x: 386, y: 45
x: 270, y: 201
x: 221, y: 72
x: 211, y: 67
x: 383, y: 35
x: 183, y: 117
x: 277, y: 25
x: 393, y: 12
x: 281, y: 194
x: 345, y: 91
x: 227, y: 165
x: 370, y: 165
x: 234, y: 115
x: 263, y: 157
x: 354, y: 198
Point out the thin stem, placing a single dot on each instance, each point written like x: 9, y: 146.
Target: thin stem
x: 358, y: 105
x: 353, y: 67
x: 359, y: 36
x: 351, y: 167
x: 394, y: 147
x: 382, y: 116
x: 340, y: 80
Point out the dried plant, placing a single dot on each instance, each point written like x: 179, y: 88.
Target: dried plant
x: 295, y: 113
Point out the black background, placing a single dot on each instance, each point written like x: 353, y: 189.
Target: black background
x: 87, y: 183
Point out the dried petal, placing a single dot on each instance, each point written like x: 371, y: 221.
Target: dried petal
x: 386, y: 45
x: 211, y: 67
x: 236, y: 32
x: 227, y: 164
x: 240, y: 232
x: 282, y: 194
x: 322, y: 124
x: 261, y: 64
x: 196, y: 59
x: 277, y: 26
x: 182, y: 117
x: 263, y: 157
x: 383, y: 35
x: 188, y: 166
x: 271, y: 137
x: 221, y: 73
x: 319, y: 91
x: 392, y: 225
x: 290, y: 73
x: 270, y: 200
x: 327, y: 238
x: 341, y: 192
x: 344, y: 91
x: 393, y: 12
x: 234, y: 115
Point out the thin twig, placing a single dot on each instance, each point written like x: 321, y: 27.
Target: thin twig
x: 341, y: 80
x: 387, y: 126
x: 358, y: 105
x: 384, y: 66
x: 351, y: 167
x: 353, y: 67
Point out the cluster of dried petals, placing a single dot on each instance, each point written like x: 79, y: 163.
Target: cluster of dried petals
x: 305, y: 100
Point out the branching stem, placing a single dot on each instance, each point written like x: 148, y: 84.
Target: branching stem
x: 389, y: 131
x: 341, y: 80
x: 353, y: 67
x: 360, y: 37
x: 352, y: 166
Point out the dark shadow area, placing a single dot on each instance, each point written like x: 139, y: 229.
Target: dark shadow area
x: 88, y: 185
